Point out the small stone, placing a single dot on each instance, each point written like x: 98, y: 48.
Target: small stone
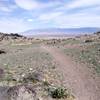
x: 5, y: 64
x: 30, y: 69
x: 39, y: 98
x: 23, y: 75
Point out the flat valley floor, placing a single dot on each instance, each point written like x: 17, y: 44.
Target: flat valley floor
x: 63, y: 68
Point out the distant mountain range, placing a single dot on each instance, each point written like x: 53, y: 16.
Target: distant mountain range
x: 61, y: 31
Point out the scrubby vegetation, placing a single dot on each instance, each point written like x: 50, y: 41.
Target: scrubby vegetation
x: 33, y: 70
x: 33, y: 77
x: 86, y: 50
x: 2, y: 52
x: 87, y: 41
x: 26, y: 68
x: 11, y: 36
x: 58, y: 92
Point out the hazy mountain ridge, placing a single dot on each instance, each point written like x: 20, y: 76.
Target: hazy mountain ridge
x: 61, y: 31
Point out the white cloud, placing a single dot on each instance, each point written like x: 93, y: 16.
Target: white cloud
x: 77, y: 20
x: 72, y: 5
x: 27, y: 4
x: 58, y: 17
x: 49, y: 16
x: 7, y: 8
x: 30, y: 20
x: 82, y: 3
x: 33, y: 4
x: 13, y: 25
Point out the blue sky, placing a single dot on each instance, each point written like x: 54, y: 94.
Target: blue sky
x: 22, y: 15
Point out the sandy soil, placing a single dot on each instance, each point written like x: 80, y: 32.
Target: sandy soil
x: 77, y: 76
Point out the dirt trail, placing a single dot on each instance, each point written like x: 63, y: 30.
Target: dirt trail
x: 77, y: 76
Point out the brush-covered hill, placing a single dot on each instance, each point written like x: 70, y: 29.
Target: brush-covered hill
x: 5, y: 36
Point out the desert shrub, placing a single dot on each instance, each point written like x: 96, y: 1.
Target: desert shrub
x: 86, y: 41
x: 32, y: 77
x: 1, y: 72
x: 29, y: 78
x: 58, y: 93
x: 97, y: 33
x: 9, y: 78
x: 46, y: 83
x: 2, y: 52
x: 16, y: 35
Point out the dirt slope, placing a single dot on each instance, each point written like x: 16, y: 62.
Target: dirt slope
x: 77, y: 76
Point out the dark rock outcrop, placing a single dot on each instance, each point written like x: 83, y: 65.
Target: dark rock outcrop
x: 21, y: 92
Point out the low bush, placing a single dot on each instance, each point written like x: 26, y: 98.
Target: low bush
x: 2, y: 52
x: 87, y: 41
x: 29, y: 78
x: 32, y: 77
x: 58, y: 93
x: 46, y: 83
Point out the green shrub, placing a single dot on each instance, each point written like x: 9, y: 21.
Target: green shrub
x: 2, y: 52
x: 58, y: 93
x: 46, y: 83
x: 33, y: 77
x: 29, y: 78
x: 87, y: 41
